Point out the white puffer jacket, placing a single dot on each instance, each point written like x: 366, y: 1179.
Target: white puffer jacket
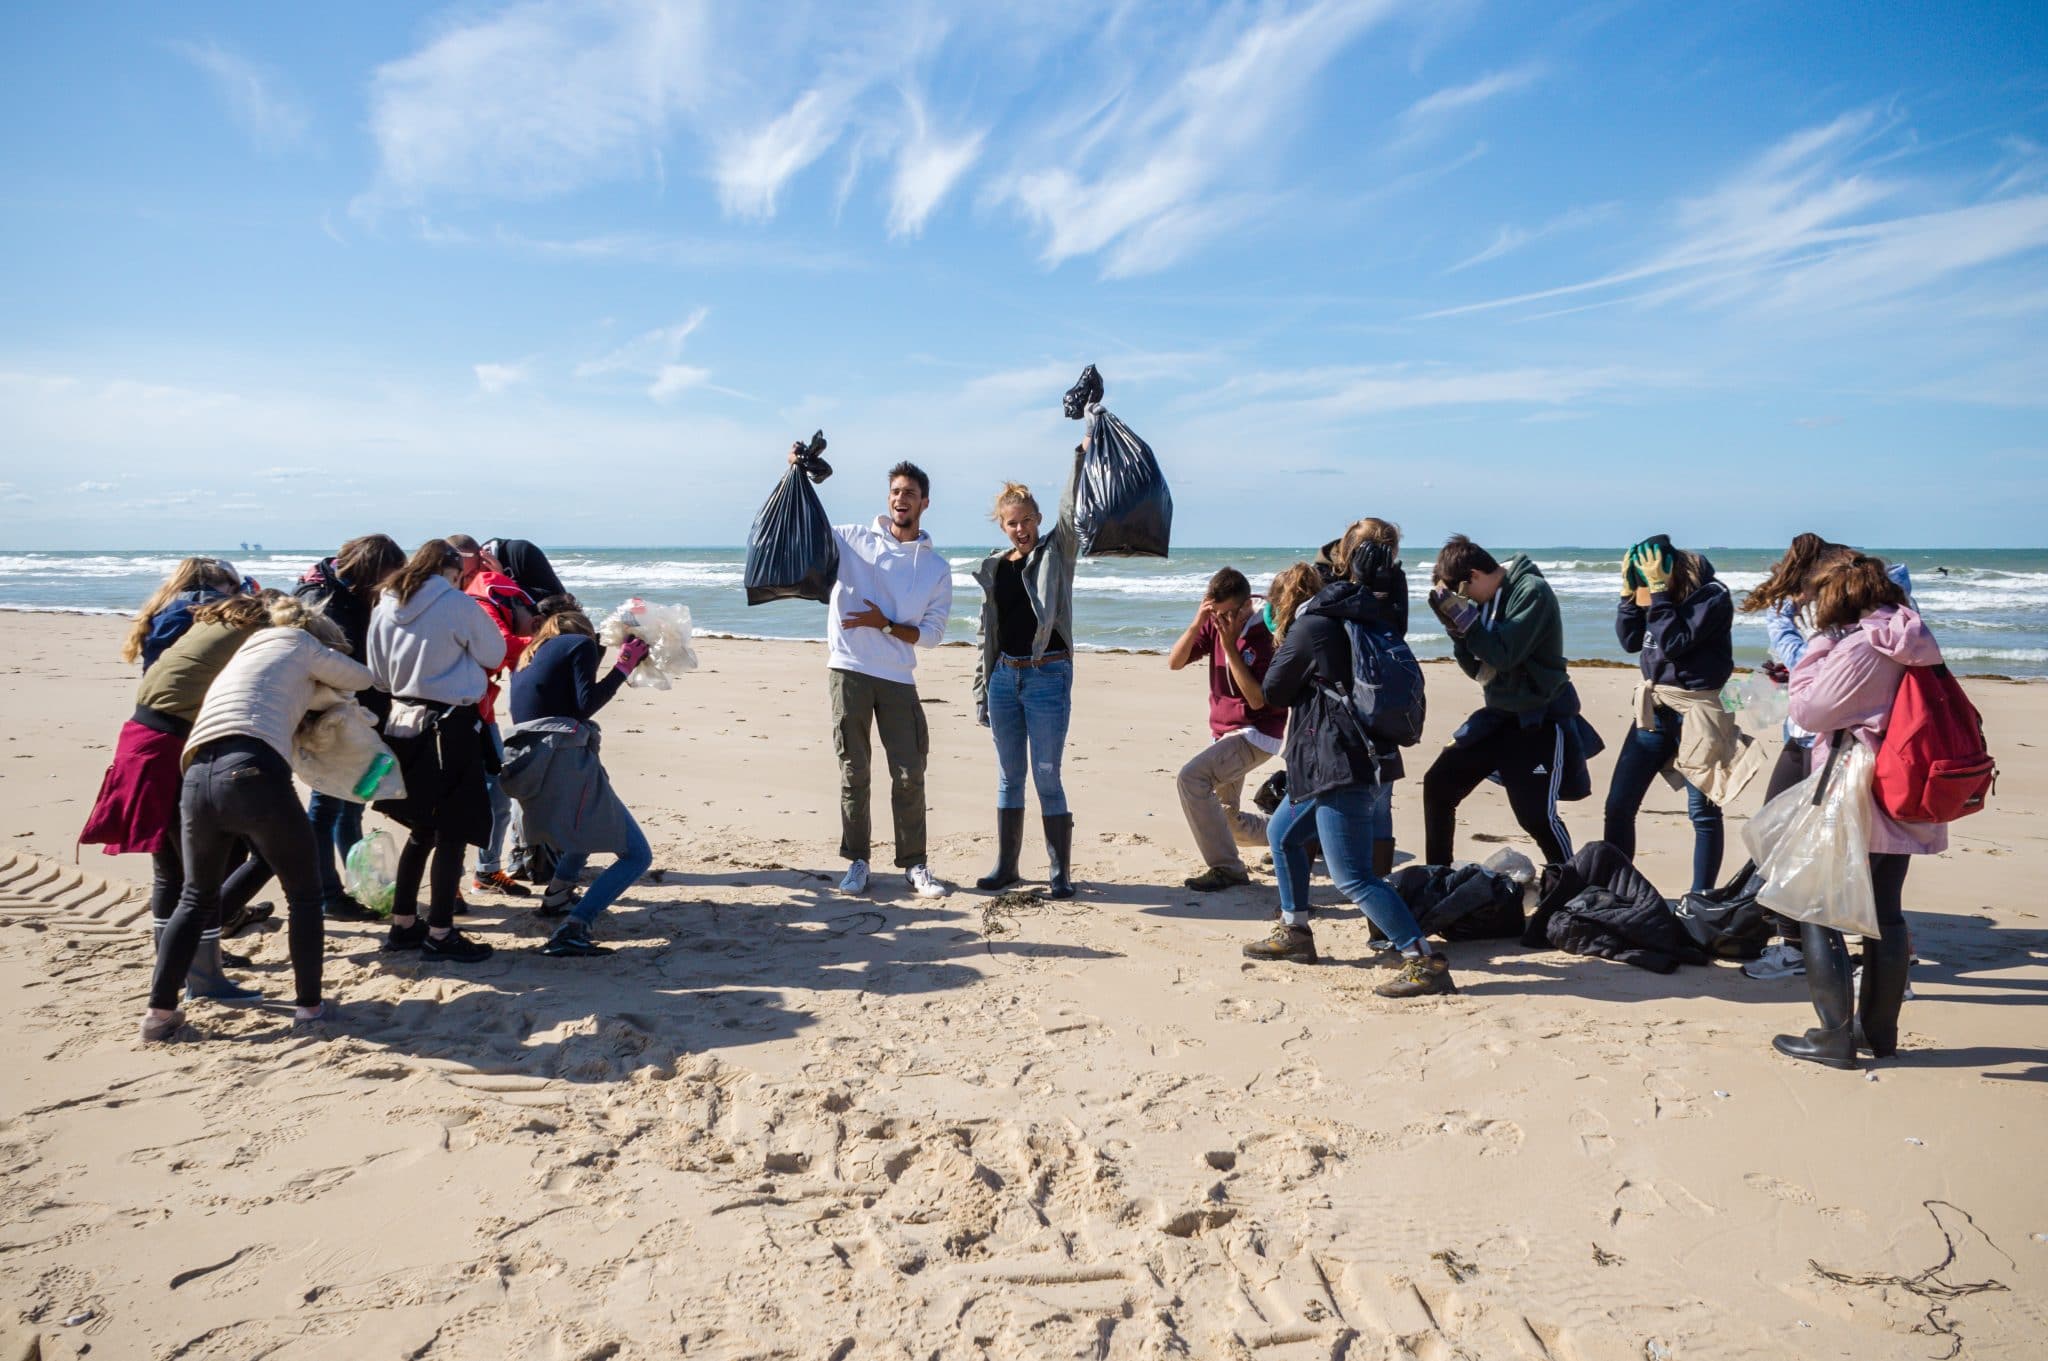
x: 267, y: 686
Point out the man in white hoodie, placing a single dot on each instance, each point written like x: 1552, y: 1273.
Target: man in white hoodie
x: 893, y: 596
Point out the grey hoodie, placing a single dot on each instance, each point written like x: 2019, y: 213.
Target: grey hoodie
x: 441, y: 645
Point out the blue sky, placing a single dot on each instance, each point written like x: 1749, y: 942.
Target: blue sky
x: 581, y: 271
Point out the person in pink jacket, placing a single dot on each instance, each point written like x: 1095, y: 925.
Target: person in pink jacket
x: 1846, y: 684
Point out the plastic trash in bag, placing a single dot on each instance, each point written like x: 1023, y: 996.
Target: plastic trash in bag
x: 1812, y: 845
x: 1123, y: 508
x: 338, y: 752
x: 1087, y: 390
x: 1760, y: 704
x: 370, y: 871
x: 792, y: 553
x: 666, y: 631
x: 1511, y: 862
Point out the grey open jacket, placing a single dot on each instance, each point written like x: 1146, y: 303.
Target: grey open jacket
x: 1048, y: 580
x: 553, y: 768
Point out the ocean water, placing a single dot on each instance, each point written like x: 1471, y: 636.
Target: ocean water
x: 1989, y: 607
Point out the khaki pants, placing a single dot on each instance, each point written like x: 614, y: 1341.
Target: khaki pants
x: 1210, y: 787
x: 892, y: 707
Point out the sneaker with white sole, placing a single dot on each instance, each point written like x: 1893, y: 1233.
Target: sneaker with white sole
x: 1856, y: 985
x: 924, y: 885
x: 856, y: 880
x: 1778, y: 960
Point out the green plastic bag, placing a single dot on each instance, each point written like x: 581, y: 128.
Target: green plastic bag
x: 370, y: 872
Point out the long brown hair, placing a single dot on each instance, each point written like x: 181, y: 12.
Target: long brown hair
x: 190, y: 575
x: 1292, y: 587
x: 554, y: 626
x: 430, y: 559
x: 367, y: 560
x: 1788, y: 578
x: 1362, y: 532
x: 1687, y: 568
x: 1849, y: 588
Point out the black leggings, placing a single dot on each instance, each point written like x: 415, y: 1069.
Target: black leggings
x: 237, y: 787
x: 167, y: 873
x: 1528, y: 761
x: 444, y: 881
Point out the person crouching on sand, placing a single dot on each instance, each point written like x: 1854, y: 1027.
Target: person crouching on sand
x: 552, y: 767
x: 1024, y: 680
x: 433, y: 650
x: 893, y: 596
x: 238, y: 785
x: 1231, y: 633
x: 1332, y: 781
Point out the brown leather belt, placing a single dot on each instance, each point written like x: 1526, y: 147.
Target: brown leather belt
x: 1026, y: 663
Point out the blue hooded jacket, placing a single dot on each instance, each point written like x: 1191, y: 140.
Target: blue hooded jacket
x: 1688, y: 643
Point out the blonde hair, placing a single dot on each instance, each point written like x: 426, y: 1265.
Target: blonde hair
x: 237, y: 612
x: 1292, y: 587
x: 554, y: 626
x: 1014, y: 494
x: 190, y: 575
x: 1362, y: 532
x: 289, y: 612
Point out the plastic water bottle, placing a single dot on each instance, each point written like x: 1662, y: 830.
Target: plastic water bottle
x: 380, y: 766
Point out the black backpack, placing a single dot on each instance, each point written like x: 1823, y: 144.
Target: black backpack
x: 1386, y: 686
x: 1728, y: 922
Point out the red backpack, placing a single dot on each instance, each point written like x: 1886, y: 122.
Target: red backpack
x: 1933, y: 765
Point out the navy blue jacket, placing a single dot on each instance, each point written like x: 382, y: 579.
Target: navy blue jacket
x: 1688, y: 643
x: 560, y: 680
x: 1326, y: 748
x: 173, y: 621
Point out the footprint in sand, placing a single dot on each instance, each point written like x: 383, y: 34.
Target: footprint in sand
x: 1777, y: 1188
x: 1591, y: 1128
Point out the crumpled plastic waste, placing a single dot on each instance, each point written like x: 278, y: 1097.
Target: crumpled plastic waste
x: 666, y: 631
x: 370, y: 871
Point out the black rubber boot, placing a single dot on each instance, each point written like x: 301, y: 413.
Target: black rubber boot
x: 1831, y: 979
x: 1885, y: 963
x: 1383, y: 857
x: 1009, y: 845
x: 1059, y: 854
x: 208, y: 980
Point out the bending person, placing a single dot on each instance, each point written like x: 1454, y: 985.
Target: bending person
x: 1676, y: 613
x: 1024, y: 680
x: 238, y: 785
x: 433, y: 649
x: 1332, y: 782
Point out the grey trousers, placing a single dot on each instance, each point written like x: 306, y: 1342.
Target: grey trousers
x: 1211, y: 788
x: 859, y: 701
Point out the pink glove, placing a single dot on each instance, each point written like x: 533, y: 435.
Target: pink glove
x: 632, y: 652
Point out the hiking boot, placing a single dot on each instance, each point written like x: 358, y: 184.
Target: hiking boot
x: 1217, y: 877
x: 1778, y: 960
x: 1287, y: 944
x: 497, y: 881
x: 455, y: 948
x: 572, y: 940
x: 1421, y: 976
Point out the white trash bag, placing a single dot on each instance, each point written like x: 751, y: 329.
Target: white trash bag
x: 666, y: 631
x: 1760, y: 704
x: 1815, y: 857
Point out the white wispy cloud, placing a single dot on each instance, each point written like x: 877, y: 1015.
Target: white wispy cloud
x: 536, y: 99
x: 1426, y: 115
x: 1803, y: 229
x: 1337, y: 392
x: 93, y: 488
x: 257, y: 97
x: 928, y: 165
x: 1171, y: 162
x: 1510, y: 238
x: 494, y: 379
x: 753, y: 166
x: 657, y: 356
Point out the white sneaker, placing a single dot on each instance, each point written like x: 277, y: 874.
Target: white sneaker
x: 923, y: 885
x: 856, y: 880
x: 1778, y: 960
x: 1856, y: 985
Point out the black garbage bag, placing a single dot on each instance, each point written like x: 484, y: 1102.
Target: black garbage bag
x: 1086, y: 389
x: 792, y: 553
x: 1728, y: 922
x: 1123, y: 508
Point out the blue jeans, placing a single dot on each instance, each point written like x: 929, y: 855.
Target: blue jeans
x: 635, y: 857
x: 1028, y: 709
x: 487, y: 859
x: 337, y: 826
x: 1342, y: 820
x: 1642, y: 755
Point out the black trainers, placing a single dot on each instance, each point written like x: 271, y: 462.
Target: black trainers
x: 1424, y: 976
x: 1216, y: 877
x: 454, y: 947
x: 572, y: 940
x: 346, y: 909
x: 406, y: 937
x: 1287, y: 944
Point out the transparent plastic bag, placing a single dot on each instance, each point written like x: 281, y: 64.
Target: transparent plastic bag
x: 1760, y: 704
x: 370, y: 871
x: 1815, y: 857
x: 666, y: 631
x: 1511, y: 862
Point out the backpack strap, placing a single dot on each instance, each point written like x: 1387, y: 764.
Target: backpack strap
x: 1827, y: 771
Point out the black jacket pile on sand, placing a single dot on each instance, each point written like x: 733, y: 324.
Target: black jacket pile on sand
x: 1597, y: 904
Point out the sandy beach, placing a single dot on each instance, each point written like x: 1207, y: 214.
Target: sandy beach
x: 777, y: 1122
